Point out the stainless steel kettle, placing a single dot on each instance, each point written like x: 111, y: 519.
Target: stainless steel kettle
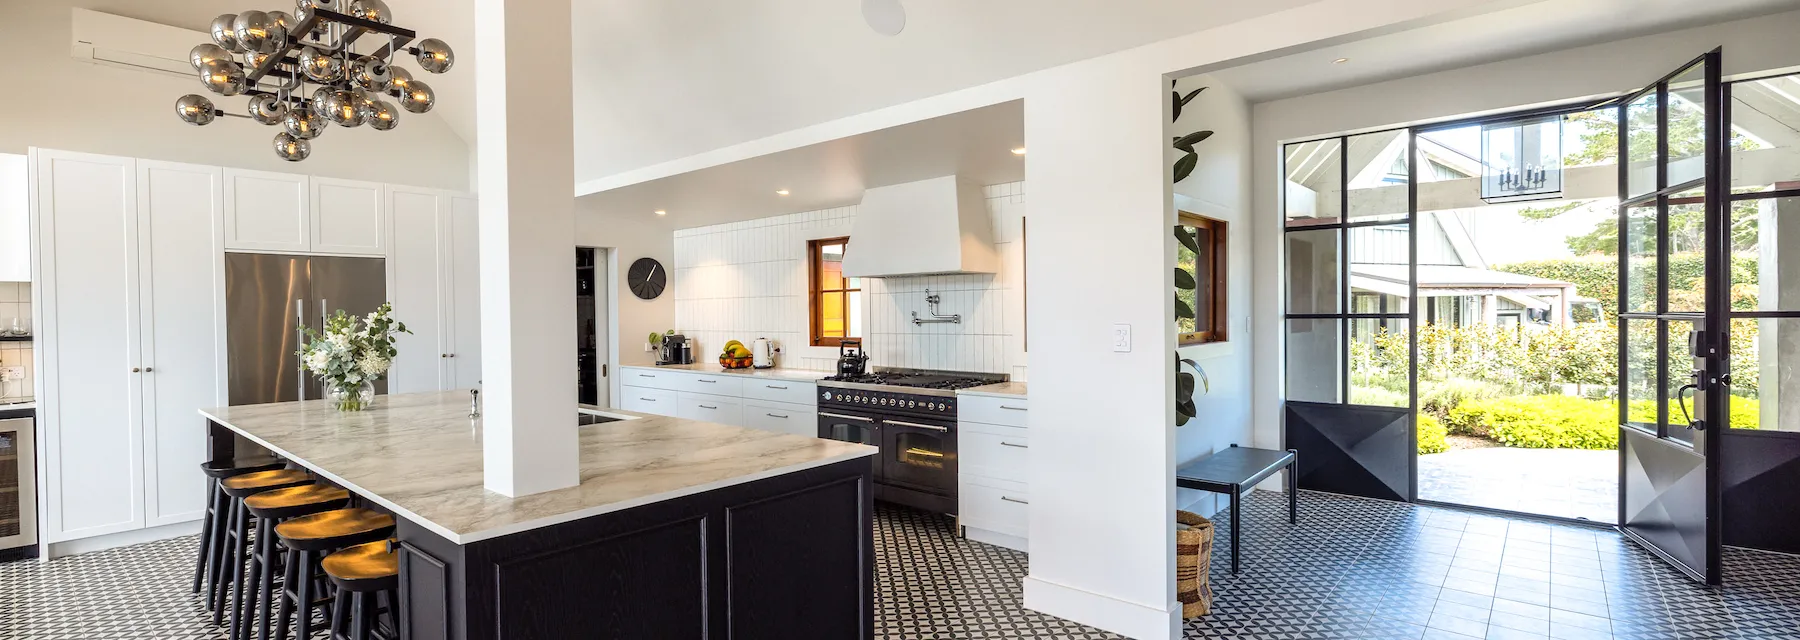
x: 762, y: 353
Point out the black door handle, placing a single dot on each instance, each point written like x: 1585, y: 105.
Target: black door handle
x: 1681, y: 399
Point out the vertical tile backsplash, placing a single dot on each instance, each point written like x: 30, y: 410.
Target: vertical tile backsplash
x: 748, y: 280
x: 15, y: 302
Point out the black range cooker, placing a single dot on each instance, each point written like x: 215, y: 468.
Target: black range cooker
x: 911, y: 416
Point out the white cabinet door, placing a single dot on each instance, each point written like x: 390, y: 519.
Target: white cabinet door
x: 465, y: 293
x: 267, y: 211
x: 348, y: 217
x: 180, y: 211
x: 781, y: 417
x: 416, y: 267
x: 85, y: 208
x: 710, y: 408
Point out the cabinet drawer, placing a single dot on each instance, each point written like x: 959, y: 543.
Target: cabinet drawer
x: 661, y: 402
x: 997, y: 506
x: 710, y: 408
x: 782, y: 417
x: 1001, y: 453
x: 711, y: 384
x: 1011, y: 412
x: 781, y: 391
x: 650, y: 378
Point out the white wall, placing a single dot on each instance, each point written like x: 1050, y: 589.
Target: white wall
x: 747, y: 280
x: 630, y: 237
x: 57, y: 102
x: 1750, y: 46
x: 1219, y: 188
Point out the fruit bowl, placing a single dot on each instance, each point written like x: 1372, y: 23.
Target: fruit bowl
x: 730, y: 362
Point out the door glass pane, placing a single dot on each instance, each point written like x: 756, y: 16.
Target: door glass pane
x: 1315, y: 182
x: 1764, y: 134
x: 1640, y: 144
x: 1765, y: 255
x: 1380, y: 268
x: 1640, y: 383
x: 1677, y: 371
x: 1380, y: 362
x: 1765, y: 374
x: 1640, y: 248
x: 1687, y: 125
x: 1313, y: 271
x: 1314, y: 349
x: 1378, y: 175
x: 1687, y: 252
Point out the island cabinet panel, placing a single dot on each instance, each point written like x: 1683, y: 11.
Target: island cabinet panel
x: 786, y: 557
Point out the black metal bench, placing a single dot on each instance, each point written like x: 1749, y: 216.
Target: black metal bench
x: 1236, y: 468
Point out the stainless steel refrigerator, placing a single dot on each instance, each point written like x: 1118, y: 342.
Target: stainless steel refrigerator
x: 269, y: 298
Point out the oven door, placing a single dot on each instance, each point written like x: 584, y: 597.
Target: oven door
x: 919, y: 454
x: 850, y: 427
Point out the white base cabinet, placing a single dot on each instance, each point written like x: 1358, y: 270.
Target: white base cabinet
x: 994, y: 449
x: 782, y: 406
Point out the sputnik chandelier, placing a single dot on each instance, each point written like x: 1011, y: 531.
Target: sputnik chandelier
x: 276, y: 58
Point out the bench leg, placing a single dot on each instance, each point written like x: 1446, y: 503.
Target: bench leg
x: 1293, y: 487
x: 1236, y: 492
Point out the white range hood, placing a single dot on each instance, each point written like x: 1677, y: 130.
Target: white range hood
x: 929, y: 227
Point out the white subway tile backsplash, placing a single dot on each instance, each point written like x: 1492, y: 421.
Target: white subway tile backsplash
x: 745, y: 280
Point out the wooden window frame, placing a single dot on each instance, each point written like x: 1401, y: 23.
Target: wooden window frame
x: 1214, y: 288
x: 815, y: 296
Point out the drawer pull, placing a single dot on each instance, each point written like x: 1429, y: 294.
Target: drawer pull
x: 1004, y: 443
x: 1012, y: 408
x: 1012, y: 499
x: 648, y: 399
x: 772, y: 415
x: 707, y: 407
x: 646, y: 375
x: 775, y: 387
x: 708, y: 381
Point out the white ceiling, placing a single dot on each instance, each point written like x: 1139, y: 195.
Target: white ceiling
x: 1508, y: 33
x: 976, y: 144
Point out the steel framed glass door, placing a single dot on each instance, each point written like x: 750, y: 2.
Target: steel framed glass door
x: 1672, y: 406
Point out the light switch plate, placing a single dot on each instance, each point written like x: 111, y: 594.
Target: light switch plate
x: 1121, y: 338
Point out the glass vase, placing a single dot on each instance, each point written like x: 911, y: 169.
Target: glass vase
x: 351, y: 397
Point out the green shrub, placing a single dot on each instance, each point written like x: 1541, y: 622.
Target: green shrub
x: 1377, y: 397
x: 1431, y: 435
x: 1440, y: 397
x: 1746, y: 413
x: 1542, y: 422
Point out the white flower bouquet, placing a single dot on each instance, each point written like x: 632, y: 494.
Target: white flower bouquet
x: 351, y: 354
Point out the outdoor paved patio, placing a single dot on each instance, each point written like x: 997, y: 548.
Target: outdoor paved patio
x: 1569, y: 483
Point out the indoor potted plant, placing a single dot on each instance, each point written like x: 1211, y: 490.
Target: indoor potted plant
x: 351, y: 353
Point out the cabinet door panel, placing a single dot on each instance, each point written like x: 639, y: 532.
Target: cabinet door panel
x: 710, y: 408
x: 92, y: 409
x: 267, y: 211
x: 180, y: 208
x: 348, y: 217
x: 660, y: 402
x: 781, y: 417
x: 418, y: 292
x: 465, y: 279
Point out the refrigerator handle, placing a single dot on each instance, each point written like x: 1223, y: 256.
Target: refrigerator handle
x: 300, y: 341
x: 324, y: 316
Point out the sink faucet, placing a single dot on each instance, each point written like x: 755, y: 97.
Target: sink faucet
x: 474, y: 403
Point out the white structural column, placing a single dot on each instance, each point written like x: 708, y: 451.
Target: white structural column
x: 526, y: 179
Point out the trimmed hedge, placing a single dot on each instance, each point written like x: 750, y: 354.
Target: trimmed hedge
x: 1541, y: 422
x: 1431, y: 435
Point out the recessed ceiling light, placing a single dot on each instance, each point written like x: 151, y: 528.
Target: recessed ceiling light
x: 1019, y: 151
x: 781, y: 192
x: 660, y: 212
x: 1340, y: 61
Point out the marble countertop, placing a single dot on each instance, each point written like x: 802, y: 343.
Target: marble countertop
x: 17, y: 404
x: 420, y: 455
x: 1001, y: 390
x: 778, y: 373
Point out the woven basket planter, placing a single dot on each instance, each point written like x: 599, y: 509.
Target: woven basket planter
x: 1193, y: 563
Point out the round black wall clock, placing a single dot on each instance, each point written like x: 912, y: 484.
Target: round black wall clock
x: 647, y: 278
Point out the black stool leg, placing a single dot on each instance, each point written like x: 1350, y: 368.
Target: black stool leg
x: 303, y: 597
x: 202, y: 559
x: 215, y: 555
x: 286, y: 608
x: 359, y: 622
x: 265, y: 540
x: 240, y: 525
x: 253, y: 586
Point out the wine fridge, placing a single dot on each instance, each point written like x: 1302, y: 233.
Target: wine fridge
x: 18, y: 496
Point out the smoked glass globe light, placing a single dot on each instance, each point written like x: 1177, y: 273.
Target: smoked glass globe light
x: 372, y: 10
x: 257, y: 31
x: 194, y: 109
x: 320, y: 66
x: 290, y: 148
x: 203, y: 53
x: 303, y: 124
x: 224, y: 33
x: 268, y: 109
x: 344, y: 108
x: 308, y: 5
x: 371, y: 73
x: 435, y: 56
x: 399, y: 77
x: 381, y: 116
x: 417, y: 97
x: 222, y: 77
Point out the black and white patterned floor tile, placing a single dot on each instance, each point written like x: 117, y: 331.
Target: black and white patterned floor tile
x: 1351, y: 569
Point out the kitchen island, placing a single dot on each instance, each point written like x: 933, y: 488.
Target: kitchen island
x: 678, y: 529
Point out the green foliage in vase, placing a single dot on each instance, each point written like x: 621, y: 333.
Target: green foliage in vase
x: 352, y: 351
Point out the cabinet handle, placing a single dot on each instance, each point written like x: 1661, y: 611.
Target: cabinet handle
x: 916, y: 425
x: 443, y: 355
x: 1011, y: 408
x: 452, y: 355
x: 136, y: 369
x: 775, y: 387
x: 1004, y: 443
x: 839, y: 415
x: 707, y: 381
x: 646, y: 375
x: 775, y: 416
x: 707, y: 407
x: 1012, y: 499
x: 648, y: 399
x: 149, y: 369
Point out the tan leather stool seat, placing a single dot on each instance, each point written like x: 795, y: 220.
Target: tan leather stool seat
x: 249, y: 483
x: 335, y: 529
x: 296, y: 501
x: 364, y: 567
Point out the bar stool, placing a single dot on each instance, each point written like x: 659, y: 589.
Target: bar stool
x: 307, y: 538
x: 237, y: 534
x: 272, y: 508
x: 362, y: 574
x: 210, y: 559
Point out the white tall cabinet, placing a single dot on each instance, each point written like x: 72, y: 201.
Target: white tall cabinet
x: 129, y: 265
x: 434, y: 283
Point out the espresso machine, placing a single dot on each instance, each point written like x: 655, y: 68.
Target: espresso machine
x: 676, y: 349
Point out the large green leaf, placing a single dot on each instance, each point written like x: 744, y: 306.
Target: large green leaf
x: 1185, y: 166
x: 1181, y: 101
x: 1187, y: 142
x: 1182, y: 310
x: 1184, y: 280
x: 1184, y: 385
x: 1205, y: 382
x: 1187, y: 239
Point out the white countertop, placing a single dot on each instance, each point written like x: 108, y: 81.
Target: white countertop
x: 1000, y: 390
x: 11, y: 405
x: 420, y: 455
x: 778, y: 373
